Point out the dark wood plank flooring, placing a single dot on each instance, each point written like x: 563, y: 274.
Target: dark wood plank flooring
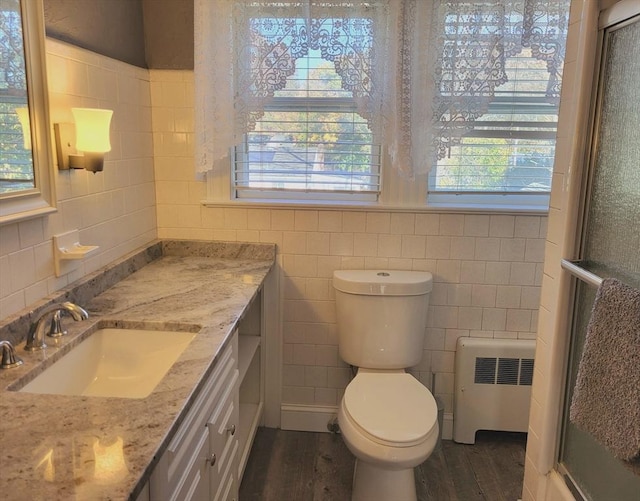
x: 302, y: 466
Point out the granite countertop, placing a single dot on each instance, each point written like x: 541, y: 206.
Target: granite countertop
x: 67, y: 447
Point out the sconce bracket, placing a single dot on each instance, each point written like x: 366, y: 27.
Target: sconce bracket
x: 65, y: 135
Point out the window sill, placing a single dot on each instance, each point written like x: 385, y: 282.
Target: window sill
x: 378, y: 207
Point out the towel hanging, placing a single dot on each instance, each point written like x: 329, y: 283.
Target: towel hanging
x: 606, y: 398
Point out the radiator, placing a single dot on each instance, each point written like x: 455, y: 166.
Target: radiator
x: 492, y: 386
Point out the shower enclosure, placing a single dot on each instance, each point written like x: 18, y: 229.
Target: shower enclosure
x: 609, y: 240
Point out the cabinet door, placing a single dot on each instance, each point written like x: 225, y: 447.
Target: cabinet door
x: 228, y: 488
x: 188, y: 469
x: 195, y: 485
x: 224, y: 442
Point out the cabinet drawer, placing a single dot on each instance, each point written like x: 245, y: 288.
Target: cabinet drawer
x: 185, y: 441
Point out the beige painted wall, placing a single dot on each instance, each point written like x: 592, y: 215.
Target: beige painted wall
x: 120, y: 34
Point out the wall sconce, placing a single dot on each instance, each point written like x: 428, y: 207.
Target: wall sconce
x: 25, y: 123
x: 91, y: 138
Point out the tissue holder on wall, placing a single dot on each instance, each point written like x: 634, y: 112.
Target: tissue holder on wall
x: 91, y: 138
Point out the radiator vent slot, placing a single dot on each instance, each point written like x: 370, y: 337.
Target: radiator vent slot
x: 526, y: 372
x: 508, y: 371
x: 485, y: 371
x: 513, y: 371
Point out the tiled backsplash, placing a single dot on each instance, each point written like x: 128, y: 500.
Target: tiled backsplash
x: 114, y: 209
x: 487, y: 272
x: 487, y: 268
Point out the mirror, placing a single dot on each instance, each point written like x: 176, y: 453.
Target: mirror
x: 26, y: 184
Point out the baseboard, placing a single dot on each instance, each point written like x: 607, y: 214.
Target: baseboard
x: 315, y: 418
x: 306, y: 417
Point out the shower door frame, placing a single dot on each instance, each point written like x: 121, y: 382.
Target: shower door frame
x: 616, y: 17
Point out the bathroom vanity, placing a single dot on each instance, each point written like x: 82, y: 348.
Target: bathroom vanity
x: 207, y: 455
x: 191, y: 436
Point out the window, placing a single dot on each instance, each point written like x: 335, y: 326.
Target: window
x: 497, y: 146
x: 393, y: 102
x: 26, y: 183
x: 310, y: 140
x: 16, y: 167
x: 291, y: 96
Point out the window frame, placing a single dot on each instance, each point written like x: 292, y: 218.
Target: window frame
x: 305, y: 104
x: 40, y: 200
x: 471, y: 198
x: 529, y: 103
x: 528, y: 200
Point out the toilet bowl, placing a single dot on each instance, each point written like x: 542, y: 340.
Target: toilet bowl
x: 389, y: 422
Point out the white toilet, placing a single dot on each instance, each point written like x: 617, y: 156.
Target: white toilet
x: 388, y: 419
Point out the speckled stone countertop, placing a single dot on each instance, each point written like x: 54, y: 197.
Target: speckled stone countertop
x: 51, y: 445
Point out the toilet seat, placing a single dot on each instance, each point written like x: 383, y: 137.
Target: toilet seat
x: 391, y: 409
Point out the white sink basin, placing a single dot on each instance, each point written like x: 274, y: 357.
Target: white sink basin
x: 127, y: 363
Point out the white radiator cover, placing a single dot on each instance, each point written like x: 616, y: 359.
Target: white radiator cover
x: 492, y: 386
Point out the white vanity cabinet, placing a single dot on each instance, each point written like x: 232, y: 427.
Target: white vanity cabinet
x: 207, y: 455
x: 204, y: 448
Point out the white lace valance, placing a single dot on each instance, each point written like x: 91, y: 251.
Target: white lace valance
x: 419, y: 71
x: 275, y: 44
x: 474, y: 40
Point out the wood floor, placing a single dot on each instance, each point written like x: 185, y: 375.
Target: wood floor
x: 302, y: 466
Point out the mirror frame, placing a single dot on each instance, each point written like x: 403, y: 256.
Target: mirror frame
x: 41, y: 200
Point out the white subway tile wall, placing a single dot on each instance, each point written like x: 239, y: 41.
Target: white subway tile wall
x: 548, y: 378
x: 114, y: 209
x: 487, y: 268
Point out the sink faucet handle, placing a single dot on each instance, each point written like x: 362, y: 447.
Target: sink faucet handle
x: 9, y: 357
x: 78, y: 313
x: 56, y: 325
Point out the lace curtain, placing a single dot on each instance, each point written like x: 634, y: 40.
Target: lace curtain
x: 474, y: 39
x: 420, y: 71
x: 246, y: 50
x: 12, y: 69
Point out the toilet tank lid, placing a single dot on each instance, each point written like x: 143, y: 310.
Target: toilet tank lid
x: 383, y: 282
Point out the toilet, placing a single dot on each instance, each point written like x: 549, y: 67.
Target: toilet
x: 388, y: 419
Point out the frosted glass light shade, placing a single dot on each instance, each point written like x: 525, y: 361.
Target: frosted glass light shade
x: 92, y: 129
x: 25, y: 123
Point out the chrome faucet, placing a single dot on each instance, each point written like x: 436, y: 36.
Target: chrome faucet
x: 9, y: 357
x: 35, y: 337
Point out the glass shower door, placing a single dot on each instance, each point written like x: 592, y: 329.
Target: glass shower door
x: 610, y: 245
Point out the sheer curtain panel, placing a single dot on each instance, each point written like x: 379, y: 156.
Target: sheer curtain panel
x: 419, y: 72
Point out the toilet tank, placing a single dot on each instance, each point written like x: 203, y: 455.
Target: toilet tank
x: 381, y: 316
